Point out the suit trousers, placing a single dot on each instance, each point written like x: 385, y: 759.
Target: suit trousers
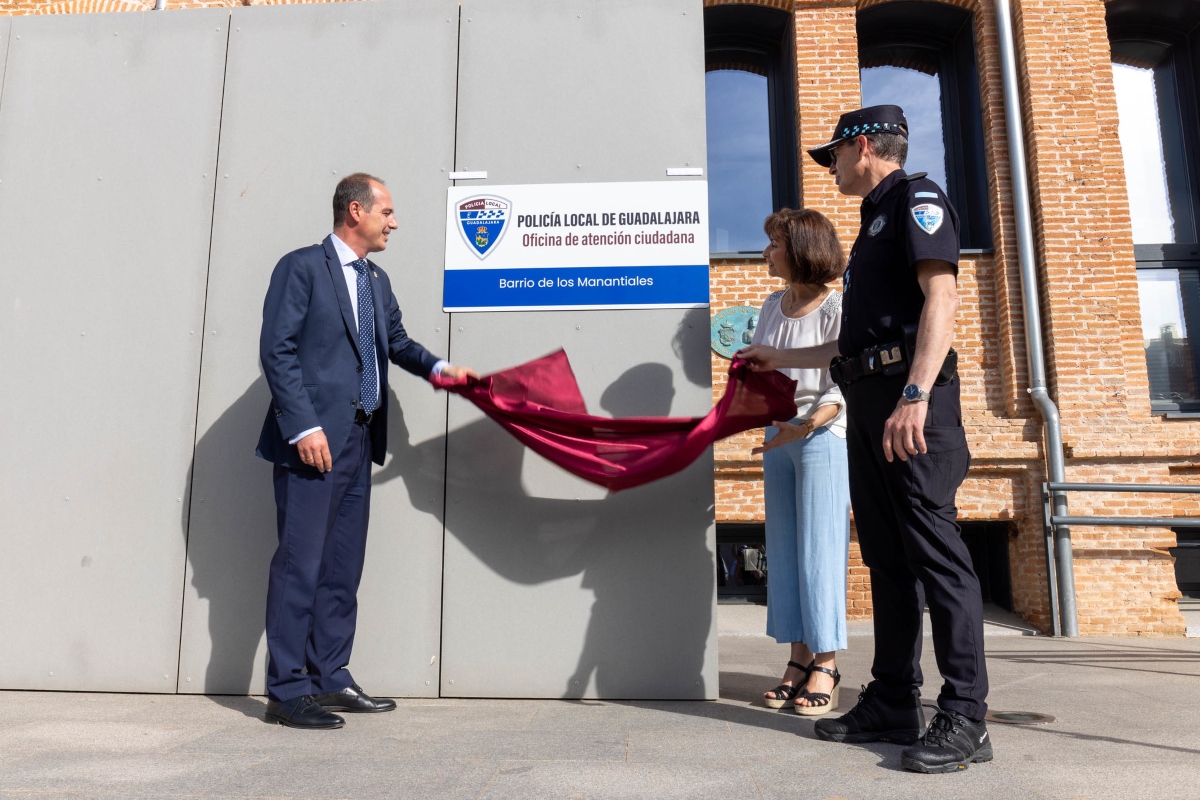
x: 905, y: 517
x: 312, y: 596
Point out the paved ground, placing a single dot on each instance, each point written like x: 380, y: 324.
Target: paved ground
x: 1128, y: 726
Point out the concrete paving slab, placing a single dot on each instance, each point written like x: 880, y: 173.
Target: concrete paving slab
x: 591, y: 715
x: 358, y: 778
x: 469, y: 714
x: 49, y: 706
x: 96, y: 735
x: 795, y: 743
x: 517, y: 781
x: 1149, y: 780
x: 676, y: 715
x: 564, y: 745
x: 72, y: 770
x: 874, y: 773
x: 367, y: 736
x: 1125, y: 709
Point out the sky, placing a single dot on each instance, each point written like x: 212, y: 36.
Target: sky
x: 1142, y: 148
x: 739, y: 160
x: 739, y: 145
x: 920, y: 96
x: 1158, y: 293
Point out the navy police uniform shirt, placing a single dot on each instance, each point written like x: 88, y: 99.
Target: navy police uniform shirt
x: 905, y: 219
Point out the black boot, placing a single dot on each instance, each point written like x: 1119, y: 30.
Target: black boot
x: 952, y: 742
x: 874, y: 719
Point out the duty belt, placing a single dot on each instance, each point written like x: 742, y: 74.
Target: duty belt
x: 887, y: 359
x: 884, y: 359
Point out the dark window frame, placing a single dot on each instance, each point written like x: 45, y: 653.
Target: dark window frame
x: 943, y: 36
x: 761, y: 40
x: 1186, y: 259
x: 1175, y: 26
x: 740, y: 533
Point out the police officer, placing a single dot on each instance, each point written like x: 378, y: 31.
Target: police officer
x: 907, y: 448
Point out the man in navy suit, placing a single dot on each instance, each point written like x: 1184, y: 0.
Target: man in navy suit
x: 330, y: 326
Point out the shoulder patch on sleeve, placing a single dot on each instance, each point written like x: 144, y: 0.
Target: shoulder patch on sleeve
x: 929, y: 217
x: 932, y: 195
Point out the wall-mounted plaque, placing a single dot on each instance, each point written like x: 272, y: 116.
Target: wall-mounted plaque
x: 561, y: 246
x: 733, y: 329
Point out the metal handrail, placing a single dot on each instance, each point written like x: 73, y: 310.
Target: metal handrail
x: 1052, y: 521
x: 1161, y: 488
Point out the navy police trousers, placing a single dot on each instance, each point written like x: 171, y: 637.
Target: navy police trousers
x: 905, y: 517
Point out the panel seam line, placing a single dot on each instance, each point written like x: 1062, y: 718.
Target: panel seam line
x: 212, y: 222
x: 449, y: 357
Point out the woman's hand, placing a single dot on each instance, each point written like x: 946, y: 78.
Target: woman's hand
x: 788, y: 433
x: 761, y: 358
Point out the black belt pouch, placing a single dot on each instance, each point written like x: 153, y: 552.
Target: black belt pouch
x: 949, y: 366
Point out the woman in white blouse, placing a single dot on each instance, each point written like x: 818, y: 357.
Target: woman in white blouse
x: 804, y: 464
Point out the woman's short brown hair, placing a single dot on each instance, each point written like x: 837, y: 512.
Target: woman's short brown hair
x: 812, y: 245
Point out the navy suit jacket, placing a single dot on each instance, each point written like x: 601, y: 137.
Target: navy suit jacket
x: 309, y: 352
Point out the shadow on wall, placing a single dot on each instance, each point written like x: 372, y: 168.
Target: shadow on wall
x: 654, y: 594
x: 233, y: 539
x: 649, y: 624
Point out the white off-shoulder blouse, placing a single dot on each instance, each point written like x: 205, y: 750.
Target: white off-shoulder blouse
x: 814, y: 387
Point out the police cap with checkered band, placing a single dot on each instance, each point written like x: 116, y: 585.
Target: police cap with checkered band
x: 875, y: 119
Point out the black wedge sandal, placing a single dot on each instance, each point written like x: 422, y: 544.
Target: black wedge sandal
x: 822, y: 703
x: 785, y: 694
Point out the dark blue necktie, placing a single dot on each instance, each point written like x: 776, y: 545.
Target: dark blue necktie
x: 369, y: 389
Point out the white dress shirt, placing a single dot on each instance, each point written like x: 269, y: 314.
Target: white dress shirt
x: 347, y: 257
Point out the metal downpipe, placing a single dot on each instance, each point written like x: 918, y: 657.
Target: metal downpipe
x: 1027, y: 256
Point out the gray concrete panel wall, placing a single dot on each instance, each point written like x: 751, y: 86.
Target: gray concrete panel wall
x: 5, y: 26
x: 108, y: 139
x: 553, y: 587
x: 312, y: 94
x: 581, y: 90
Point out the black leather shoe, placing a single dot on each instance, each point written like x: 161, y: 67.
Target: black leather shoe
x: 355, y: 700
x: 952, y: 742
x: 874, y: 719
x: 302, y: 712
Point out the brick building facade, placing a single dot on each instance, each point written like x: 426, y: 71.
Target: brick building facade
x: 1096, y: 363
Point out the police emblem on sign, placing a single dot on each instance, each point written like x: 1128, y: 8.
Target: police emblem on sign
x: 482, y: 221
x: 877, y: 225
x: 928, y: 216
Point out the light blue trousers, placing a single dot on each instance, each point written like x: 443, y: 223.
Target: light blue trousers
x: 807, y: 486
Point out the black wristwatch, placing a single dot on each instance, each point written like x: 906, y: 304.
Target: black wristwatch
x: 915, y: 394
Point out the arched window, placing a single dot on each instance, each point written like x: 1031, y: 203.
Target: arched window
x: 750, y: 111
x: 1154, y: 46
x: 921, y: 56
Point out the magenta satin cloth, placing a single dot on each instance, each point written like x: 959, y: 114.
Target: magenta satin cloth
x: 539, y: 403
